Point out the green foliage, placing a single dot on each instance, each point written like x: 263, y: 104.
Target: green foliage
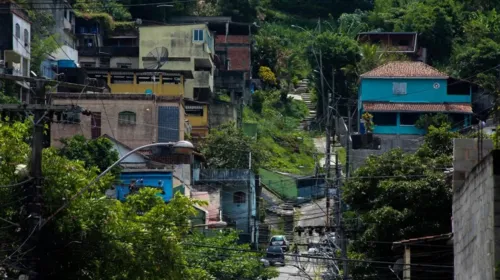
x: 284, y: 147
x: 228, y: 147
x: 223, y: 259
x: 100, y: 238
x: 97, y: 8
x: 266, y: 75
x: 436, y: 120
x: 43, y: 40
x: 94, y: 153
x: 368, y: 118
x: 394, y: 194
x: 282, y: 49
x: 104, y: 18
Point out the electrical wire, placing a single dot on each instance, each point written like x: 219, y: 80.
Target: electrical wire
x: 17, y: 184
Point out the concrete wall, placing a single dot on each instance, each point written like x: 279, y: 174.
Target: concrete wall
x: 221, y: 113
x: 408, y: 143
x: 476, y: 221
x: 417, y: 90
x: 465, y: 157
x: 143, y: 132
x: 123, y: 59
x: 182, y: 49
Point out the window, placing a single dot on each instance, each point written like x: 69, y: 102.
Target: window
x: 126, y: 118
x: 239, y: 197
x: 124, y: 65
x: 122, y: 79
x: 399, y: 88
x: 26, y: 37
x: 408, y: 118
x: 192, y: 110
x: 18, y: 31
x: 404, y: 42
x: 88, y: 64
x: 71, y: 117
x: 198, y: 35
x: 385, y: 119
x: 457, y: 119
x: 148, y: 78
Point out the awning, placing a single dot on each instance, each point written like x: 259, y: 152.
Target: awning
x: 463, y: 108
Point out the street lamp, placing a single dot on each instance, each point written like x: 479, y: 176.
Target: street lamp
x: 181, y: 147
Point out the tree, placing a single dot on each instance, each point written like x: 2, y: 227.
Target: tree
x: 338, y: 51
x: 94, y: 153
x: 398, y: 196
x: 436, y: 120
x: 437, y: 23
x: 93, y: 237
x: 112, y: 7
x: 228, y: 147
x: 224, y: 259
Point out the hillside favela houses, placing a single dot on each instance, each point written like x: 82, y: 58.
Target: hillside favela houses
x: 15, y: 45
x: 183, y: 47
x: 396, y: 95
x: 396, y: 42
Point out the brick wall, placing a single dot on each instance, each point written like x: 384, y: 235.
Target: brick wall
x: 232, y: 39
x: 476, y: 216
x: 240, y: 58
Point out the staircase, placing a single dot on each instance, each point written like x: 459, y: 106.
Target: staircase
x: 302, y: 89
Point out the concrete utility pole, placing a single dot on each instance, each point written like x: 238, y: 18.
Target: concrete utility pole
x: 326, y: 115
x: 33, y: 189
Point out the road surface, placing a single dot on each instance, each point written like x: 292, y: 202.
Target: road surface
x: 290, y: 271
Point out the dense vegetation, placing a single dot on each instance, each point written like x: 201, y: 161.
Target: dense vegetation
x: 99, y: 238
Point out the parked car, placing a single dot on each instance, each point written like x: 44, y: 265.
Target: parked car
x: 280, y: 240
x: 275, y: 254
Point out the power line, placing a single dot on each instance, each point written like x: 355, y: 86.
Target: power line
x: 17, y: 184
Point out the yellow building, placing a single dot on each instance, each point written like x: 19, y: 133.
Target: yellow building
x: 187, y: 47
x: 197, y: 114
x: 137, y: 81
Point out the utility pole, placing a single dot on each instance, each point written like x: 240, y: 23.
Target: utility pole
x: 343, y: 241
x: 326, y: 115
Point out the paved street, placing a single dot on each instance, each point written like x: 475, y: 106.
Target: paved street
x: 291, y: 272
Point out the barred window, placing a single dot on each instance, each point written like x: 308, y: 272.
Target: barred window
x: 126, y: 118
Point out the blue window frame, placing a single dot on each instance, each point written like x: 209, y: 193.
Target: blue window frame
x: 198, y: 35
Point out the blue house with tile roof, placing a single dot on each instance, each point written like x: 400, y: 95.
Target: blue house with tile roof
x: 398, y: 93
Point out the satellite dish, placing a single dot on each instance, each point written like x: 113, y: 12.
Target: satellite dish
x: 398, y: 266
x: 156, y: 58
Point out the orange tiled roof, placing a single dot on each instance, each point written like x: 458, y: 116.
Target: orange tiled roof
x: 404, y: 69
x: 417, y: 107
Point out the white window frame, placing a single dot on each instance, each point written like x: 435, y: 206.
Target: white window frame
x: 399, y: 88
x: 196, y: 35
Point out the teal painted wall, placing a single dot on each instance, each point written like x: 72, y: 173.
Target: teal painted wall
x: 417, y: 90
x: 411, y: 129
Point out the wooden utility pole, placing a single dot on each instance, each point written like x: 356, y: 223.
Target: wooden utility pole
x: 42, y: 114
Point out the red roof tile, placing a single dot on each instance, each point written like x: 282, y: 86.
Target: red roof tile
x: 417, y: 107
x: 426, y: 238
x: 404, y: 69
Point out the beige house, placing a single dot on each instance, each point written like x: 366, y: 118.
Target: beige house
x: 132, y: 119
x: 185, y: 47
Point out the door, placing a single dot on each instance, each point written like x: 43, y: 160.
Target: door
x: 95, y: 122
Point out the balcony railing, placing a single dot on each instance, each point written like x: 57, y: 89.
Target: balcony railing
x: 109, y: 51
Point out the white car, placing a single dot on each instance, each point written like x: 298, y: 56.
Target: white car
x: 280, y: 240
